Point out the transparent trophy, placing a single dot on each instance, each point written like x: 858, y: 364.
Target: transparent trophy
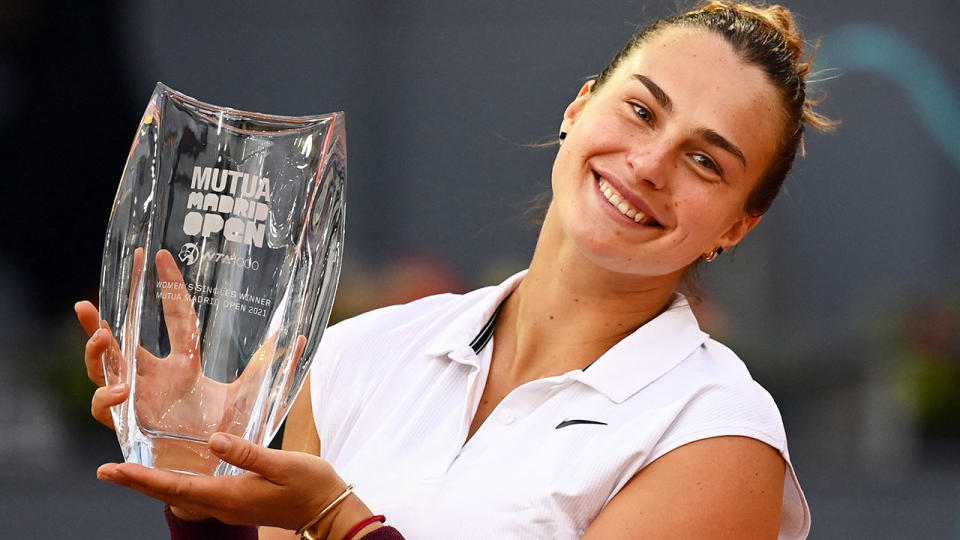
x: 220, y: 266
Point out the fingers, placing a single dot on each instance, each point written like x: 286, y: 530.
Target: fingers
x: 264, y: 355
x: 258, y: 362
x: 299, y: 347
x: 249, y: 498
x: 178, y: 311
x: 106, y: 397
x: 249, y: 456
x: 99, y: 342
x: 88, y: 316
x: 194, y: 494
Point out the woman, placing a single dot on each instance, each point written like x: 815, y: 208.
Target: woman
x: 578, y: 398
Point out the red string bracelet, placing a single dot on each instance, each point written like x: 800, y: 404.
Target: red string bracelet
x: 372, y: 519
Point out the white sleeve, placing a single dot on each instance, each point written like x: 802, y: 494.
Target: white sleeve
x: 748, y: 411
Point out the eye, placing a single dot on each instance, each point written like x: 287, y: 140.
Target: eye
x: 707, y: 163
x: 643, y: 112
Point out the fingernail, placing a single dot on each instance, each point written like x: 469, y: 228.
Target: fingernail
x: 219, y: 444
x: 118, y: 388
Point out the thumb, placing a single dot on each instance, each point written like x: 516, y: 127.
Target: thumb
x: 245, y: 454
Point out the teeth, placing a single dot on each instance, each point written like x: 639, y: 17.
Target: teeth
x: 622, y: 205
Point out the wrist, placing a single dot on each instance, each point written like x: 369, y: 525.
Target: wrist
x: 364, y: 527
x: 344, y: 517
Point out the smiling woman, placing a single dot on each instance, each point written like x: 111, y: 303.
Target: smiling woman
x: 680, y: 133
x: 579, y: 398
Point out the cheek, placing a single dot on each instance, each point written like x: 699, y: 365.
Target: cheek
x: 559, y: 169
x: 565, y: 176
x: 701, y: 217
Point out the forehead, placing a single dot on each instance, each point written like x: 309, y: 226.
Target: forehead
x: 710, y: 86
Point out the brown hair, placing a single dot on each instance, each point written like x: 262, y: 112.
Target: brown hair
x: 768, y: 37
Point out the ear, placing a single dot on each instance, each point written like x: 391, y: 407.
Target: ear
x: 576, y: 106
x: 738, y: 230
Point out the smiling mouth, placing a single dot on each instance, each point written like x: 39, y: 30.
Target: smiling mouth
x: 618, y: 201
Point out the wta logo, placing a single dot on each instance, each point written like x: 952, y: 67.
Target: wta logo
x: 189, y: 253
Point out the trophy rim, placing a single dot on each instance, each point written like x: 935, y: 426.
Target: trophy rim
x: 214, y: 113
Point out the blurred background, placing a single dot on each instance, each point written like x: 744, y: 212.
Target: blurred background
x: 845, y: 303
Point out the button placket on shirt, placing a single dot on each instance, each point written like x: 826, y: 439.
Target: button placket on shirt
x: 523, y: 401
x: 515, y: 406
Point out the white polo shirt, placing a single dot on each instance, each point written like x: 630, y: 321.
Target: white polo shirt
x: 395, y: 391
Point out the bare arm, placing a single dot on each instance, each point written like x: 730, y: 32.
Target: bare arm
x: 299, y: 435
x: 722, y: 487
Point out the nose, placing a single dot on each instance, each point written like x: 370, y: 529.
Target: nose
x: 650, y: 163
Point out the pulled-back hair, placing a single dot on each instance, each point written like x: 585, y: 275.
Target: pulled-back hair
x: 767, y: 37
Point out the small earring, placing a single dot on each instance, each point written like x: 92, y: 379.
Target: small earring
x: 563, y: 135
x: 713, y: 254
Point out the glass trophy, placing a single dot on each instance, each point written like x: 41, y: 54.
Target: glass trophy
x: 220, y: 266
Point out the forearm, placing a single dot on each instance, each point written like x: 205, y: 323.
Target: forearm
x: 351, y: 512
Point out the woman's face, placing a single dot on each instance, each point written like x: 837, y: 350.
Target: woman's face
x: 658, y: 162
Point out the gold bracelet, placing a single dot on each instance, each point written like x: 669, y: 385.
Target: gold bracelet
x: 304, y: 533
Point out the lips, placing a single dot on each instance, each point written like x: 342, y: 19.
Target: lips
x: 627, y: 205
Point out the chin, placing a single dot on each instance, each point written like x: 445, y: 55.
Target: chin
x: 600, y: 253
x: 618, y: 259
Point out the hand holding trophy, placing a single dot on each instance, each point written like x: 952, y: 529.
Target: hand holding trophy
x: 219, y: 270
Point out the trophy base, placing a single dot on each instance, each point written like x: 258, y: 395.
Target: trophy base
x: 178, y: 455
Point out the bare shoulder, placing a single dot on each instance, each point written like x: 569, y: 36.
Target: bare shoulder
x: 721, y: 487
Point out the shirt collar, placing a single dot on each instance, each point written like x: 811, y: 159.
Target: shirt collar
x: 479, y: 307
x: 647, y: 354
x: 636, y: 361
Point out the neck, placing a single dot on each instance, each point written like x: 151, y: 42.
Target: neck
x: 567, y: 311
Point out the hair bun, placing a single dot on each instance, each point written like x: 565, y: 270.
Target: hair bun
x: 777, y: 17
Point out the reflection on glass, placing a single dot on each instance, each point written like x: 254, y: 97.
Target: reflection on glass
x: 219, y: 269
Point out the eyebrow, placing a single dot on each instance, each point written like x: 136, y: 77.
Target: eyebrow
x: 718, y: 140
x: 658, y: 94
x: 709, y: 135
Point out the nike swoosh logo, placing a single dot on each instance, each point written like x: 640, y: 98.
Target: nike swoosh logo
x: 566, y: 423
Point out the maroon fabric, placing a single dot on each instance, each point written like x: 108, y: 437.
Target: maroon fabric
x: 383, y: 533
x: 210, y: 529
